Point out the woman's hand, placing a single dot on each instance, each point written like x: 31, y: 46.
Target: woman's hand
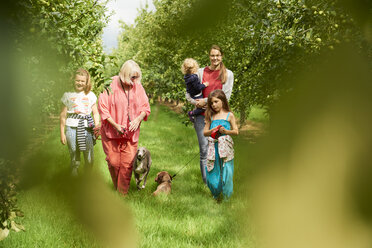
x: 63, y: 139
x: 133, y: 125
x: 118, y: 128
x: 200, y: 103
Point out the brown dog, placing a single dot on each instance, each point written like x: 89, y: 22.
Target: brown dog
x: 164, y: 180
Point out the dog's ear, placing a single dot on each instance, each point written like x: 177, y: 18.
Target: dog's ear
x: 158, y: 177
x: 167, y: 176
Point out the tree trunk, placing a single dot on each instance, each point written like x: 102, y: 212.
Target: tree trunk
x: 243, y: 116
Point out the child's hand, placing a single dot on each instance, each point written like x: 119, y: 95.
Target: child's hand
x: 206, y: 84
x: 213, y: 129
x: 222, y: 130
x: 216, y: 132
x: 63, y: 139
x: 96, y: 131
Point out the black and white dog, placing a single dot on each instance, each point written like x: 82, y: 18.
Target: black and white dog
x: 141, y: 167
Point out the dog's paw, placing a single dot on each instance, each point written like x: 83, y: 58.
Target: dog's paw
x: 143, y: 186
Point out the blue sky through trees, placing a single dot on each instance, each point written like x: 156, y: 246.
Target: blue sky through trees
x: 125, y: 10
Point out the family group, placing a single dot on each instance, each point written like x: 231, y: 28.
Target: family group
x: 118, y: 114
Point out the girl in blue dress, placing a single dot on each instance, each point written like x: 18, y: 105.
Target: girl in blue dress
x: 220, y: 167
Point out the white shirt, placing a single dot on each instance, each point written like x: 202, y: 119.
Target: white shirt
x: 78, y: 103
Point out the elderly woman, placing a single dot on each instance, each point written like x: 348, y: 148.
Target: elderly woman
x: 122, y: 110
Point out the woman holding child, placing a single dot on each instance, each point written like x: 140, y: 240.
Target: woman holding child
x: 216, y: 76
x: 122, y: 108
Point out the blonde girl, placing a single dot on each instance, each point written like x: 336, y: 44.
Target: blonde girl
x: 76, y: 122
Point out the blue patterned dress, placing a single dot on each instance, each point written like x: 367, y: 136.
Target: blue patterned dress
x: 214, y: 176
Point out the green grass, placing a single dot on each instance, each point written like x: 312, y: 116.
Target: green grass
x: 255, y: 113
x: 258, y: 114
x: 64, y: 212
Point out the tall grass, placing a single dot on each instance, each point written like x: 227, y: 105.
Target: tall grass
x: 188, y: 217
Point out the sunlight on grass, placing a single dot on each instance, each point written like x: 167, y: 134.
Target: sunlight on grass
x: 188, y: 217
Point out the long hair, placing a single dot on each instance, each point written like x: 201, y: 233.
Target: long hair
x: 85, y: 73
x: 128, y: 69
x: 223, y: 71
x: 225, y: 105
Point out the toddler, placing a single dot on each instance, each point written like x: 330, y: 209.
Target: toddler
x: 193, y: 85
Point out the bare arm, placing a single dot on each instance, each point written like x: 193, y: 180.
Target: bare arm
x: 95, y: 115
x: 62, y: 121
x: 115, y: 125
x: 234, y: 127
x: 136, y: 122
x: 207, y: 131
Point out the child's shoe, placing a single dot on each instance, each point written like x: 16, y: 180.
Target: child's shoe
x: 191, y: 116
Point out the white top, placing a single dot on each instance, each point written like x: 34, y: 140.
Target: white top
x: 78, y: 103
x: 226, y: 87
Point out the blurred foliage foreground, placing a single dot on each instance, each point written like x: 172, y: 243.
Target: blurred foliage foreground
x: 42, y: 43
x: 312, y: 184
x: 316, y: 157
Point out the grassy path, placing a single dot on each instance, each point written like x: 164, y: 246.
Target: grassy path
x: 58, y: 215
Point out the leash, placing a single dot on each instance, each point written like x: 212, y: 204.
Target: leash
x: 185, y: 165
